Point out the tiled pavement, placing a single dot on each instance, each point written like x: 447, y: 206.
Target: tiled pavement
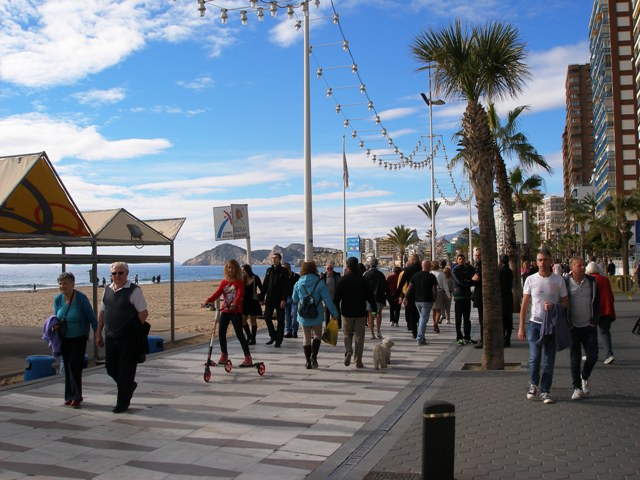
x: 331, y: 423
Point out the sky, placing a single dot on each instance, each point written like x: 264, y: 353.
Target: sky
x: 146, y: 105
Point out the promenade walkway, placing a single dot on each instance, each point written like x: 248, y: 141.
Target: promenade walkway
x: 331, y: 423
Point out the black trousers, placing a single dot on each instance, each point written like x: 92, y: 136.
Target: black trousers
x: 463, y: 311
x: 122, y: 355
x: 73, y: 350
x: 277, y: 332
x: 236, y: 320
x: 394, y: 311
x: 412, y: 316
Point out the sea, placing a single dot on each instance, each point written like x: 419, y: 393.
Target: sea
x: 24, y: 277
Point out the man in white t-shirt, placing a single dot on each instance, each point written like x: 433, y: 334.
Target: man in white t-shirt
x: 541, y: 291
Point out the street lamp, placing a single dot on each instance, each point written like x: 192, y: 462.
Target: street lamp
x: 430, y: 103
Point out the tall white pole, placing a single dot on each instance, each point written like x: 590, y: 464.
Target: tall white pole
x: 308, y: 214
x: 433, y: 196
x: 344, y: 213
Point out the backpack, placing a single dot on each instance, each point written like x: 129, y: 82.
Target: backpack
x: 307, y: 307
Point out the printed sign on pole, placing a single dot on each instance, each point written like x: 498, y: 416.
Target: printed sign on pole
x: 240, y: 220
x: 223, y: 223
x: 353, y: 247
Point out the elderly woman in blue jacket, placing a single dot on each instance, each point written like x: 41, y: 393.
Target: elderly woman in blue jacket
x: 310, y: 284
x: 74, y: 307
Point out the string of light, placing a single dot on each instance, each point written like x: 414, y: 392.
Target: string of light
x: 373, y: 130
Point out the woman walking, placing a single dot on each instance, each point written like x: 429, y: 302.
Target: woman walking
x: 310, y: 284
x: 251, y: 308
x: 74, y: 310
x: 231, y: 289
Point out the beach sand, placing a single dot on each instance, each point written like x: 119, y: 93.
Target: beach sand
x: 31, y: 309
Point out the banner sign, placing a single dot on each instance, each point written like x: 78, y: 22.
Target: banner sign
x: 231, y: 223
x: 353, y: 247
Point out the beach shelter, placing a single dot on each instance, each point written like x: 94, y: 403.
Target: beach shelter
x: 36, y: 210
x: 35, y: 205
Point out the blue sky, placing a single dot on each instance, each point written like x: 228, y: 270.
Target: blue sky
x: 147, y: 106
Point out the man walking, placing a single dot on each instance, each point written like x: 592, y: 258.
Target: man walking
x: 463, y: 279
x: 330, y: 277
x: 353, y: 293
x: 541, y: 292
x: 122, y: 315
x: 394, y: 306
x: 410, y: 311
x: 275, y: 285
x: 607, y: 309
x: 584, y: 311
x: 291, y: 309
x: 423, y: 286
x: 378, y: 284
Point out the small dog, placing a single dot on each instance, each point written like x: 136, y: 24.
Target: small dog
x: 382, y: 353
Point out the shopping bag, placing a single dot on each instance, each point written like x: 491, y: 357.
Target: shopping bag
x: 330, y: 334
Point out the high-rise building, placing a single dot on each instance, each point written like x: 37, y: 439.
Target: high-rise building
x: 615, y: 124
x: 577, y: 139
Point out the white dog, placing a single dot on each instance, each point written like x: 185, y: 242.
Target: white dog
x: 382, y: 353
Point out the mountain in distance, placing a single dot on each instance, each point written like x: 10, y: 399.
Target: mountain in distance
x: 294, y: 254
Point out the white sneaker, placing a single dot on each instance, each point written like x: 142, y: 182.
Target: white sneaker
x: 577, y: 394
x: 585, y: 388
x: 584, y: 358
x: 546, y: 398
x: 609, y: 360
x: 532, y: 392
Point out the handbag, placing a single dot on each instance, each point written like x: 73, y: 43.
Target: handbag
x: 62, y: 324
x: 636, y: 328
x: 330, y: 334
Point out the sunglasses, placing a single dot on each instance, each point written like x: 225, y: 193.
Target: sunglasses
x: 117, y: 273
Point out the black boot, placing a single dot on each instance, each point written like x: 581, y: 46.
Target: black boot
x: 307, y: 356
x: 254, y: 330
x: 315, y: 346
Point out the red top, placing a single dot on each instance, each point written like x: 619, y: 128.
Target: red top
x: 607, y: 308
x: 232, y: 293
x: 392, y: 281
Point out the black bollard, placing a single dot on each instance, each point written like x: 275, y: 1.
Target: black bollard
x: 438, y: 440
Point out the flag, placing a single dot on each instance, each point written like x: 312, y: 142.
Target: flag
x: 345, y: 170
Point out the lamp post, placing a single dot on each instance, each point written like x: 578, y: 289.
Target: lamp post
x: 273, y: 9
x: 430, y: 103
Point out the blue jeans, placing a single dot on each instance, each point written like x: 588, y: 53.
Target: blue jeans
x: 586, y: 337
x: 424, y: 309
x: 291, y: 317
x: 545, y: 352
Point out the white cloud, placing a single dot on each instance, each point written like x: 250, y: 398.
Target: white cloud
x: 200, y: 83
x: 62, y: 138
x: 100, y: 97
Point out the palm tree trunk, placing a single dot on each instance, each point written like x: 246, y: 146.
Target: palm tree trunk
x: 506, y: 205
x: 479, y: 144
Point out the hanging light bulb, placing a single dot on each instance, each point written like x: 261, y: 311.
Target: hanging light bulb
x: 273, y: 8
x: 354, y: 68
x: 319, y: 72
x: 253, y: 3
x: 298, y: 24
x: 243, y: 17
x: 329, y: 92
x: 361, y: 145
x: 354, y: 134
x: 368, y: 152
x: 377, y: 119
x: 362, y: 89
x: 336, y: 18
x: 370, y: 105
x: 260, y: 14
x: 201, y: 7
x: 290, y: 11
x: 390, y: 142
x: 316, y: 3
x: 395, y: 150
x: 338, y: 108
x: 346, y: 123
x: 384, y: 132
x: 224, y: 16
x: 345, y: 45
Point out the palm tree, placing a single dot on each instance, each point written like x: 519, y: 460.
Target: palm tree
x: 426, y: 208
x: 512, y: 143
x: 577, y: 213
x: 472, y: 63
x: 402, y: 237
x: 619, y: 206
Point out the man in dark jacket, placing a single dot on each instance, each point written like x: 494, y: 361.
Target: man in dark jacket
x: 410, y: 309
x: 463, y: 279
x: 352, y: 295
x: 423, y: 288
x: 275, y: 285
x: 330, y: 277
x: 380, y: 288
x: 506, y: 296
